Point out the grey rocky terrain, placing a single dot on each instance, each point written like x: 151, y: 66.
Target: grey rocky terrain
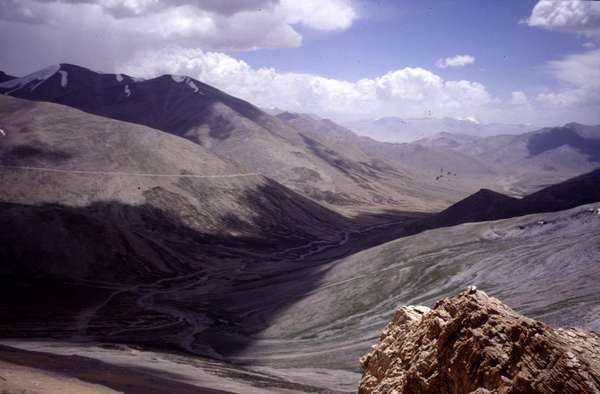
x: 162, y: 228
x: 237, y: 130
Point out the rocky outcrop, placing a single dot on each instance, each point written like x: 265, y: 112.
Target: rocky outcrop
x: 473, y: 343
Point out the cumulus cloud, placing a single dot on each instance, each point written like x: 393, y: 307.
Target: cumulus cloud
x: 150, y: 37
x: 567, y: 15
x: 209, y: 24
x: 18, y: 11
x: 519, y: 98
x: 577, y: 93
x: 127, y: 8
x: 317, y: 14
x: 455, y: 61
x: 582, y: 69
x: 407, y: 91
x: 579, y: 75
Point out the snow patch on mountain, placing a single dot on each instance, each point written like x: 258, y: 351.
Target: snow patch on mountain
x: 188, y: 81
x: 471, y: 119
x: 192, y: 85
x: 64, y: 78
x: 119, y: 77
x: 127, y: 91
x: 39, y: 76
x: 178, y: 78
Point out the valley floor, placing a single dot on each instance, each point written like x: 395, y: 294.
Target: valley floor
x: 51, y: 367
x: 331, y: 305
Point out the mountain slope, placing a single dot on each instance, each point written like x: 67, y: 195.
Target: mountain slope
x: 428, y: 174
x: 489, y: 205
x: 134, y: 246
x: 100, y: 188
x: 122, y: 233
x: 533, y: 160
x: 532, y: 267
x: 230, y: 127
x: 5, y: 77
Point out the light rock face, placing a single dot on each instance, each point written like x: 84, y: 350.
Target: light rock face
x: 473, y: 343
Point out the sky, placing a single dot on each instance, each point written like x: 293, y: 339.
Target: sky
x: 514, y: 61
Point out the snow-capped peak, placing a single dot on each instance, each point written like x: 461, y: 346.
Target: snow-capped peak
x: 471, y: 119
x: 39, y: 76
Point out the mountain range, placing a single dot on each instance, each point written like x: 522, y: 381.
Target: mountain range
x: 169, y: 224
x: 531, y: 160
x: 233, y: 129
x: 398, y: 130
x: 314, y: 156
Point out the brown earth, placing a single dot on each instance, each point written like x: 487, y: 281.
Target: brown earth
x: 473, y: 343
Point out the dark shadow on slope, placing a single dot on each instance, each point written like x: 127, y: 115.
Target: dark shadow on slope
x: 33, y: 154
x: 489, y: 205
x: 166, y: 103
x: 564, y: 136
x: 62, y: 255
x: 58, y: 261
x: 5, y: 77
x: 482, y: 206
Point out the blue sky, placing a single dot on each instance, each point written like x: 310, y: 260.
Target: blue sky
x: 525, y: 61
x: 396, y: 34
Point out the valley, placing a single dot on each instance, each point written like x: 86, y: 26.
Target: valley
x: 296, y: 340
x: 176, y: 236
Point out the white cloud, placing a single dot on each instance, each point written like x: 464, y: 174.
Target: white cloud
x: 566, y: 15
x: 317, y: 14
x: 579, y: 76
x: 519, y: 98
x: 455, y: 61
x: 582, y: 69
x: 588, y: 45
x: 406, y: 92
x: 128, y: 8
x: 209, y: 24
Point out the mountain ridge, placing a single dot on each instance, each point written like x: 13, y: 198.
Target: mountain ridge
x: 239, y: 131
x: 491, y: 205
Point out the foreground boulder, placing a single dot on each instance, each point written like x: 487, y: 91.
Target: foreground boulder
x: 473, y: 343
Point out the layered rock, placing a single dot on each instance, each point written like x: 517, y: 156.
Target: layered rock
x: 473, y: 343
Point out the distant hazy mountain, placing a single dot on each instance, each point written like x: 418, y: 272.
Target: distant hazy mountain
x: 532, y: 160
x: 442, y: 172
x: 489, y: 205
x: 393, y: 129
x: 433, y: 174
x: 231, y: 128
